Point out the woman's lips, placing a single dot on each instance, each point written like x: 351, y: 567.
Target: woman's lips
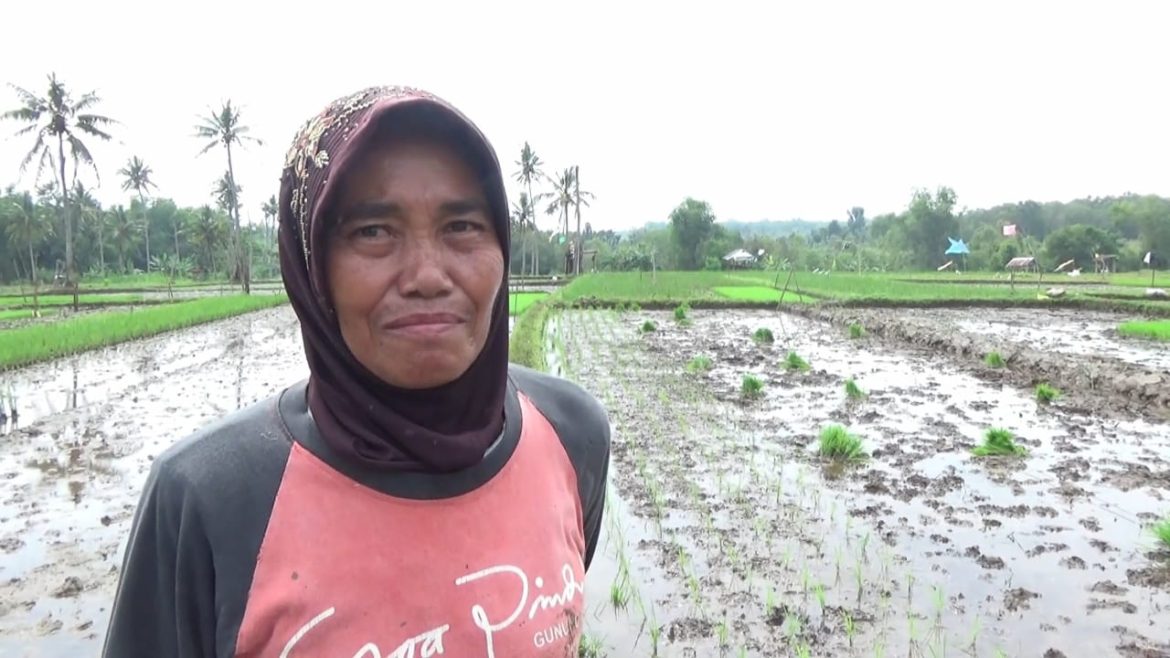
x: 423, y: 324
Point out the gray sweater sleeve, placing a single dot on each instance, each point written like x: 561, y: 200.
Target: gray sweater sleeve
x: 165, y: 604
x: 583, y: 427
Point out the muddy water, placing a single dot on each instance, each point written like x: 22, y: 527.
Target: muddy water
x: 72, y: 466
x: 1070, y: 332
x: 740, y: 539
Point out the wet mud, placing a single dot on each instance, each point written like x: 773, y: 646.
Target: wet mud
x: 73, y: 462
x: 1107, y: 375
x: 730, y: 535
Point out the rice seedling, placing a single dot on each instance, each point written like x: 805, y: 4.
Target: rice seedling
x: 680, y: 312
x: 858, y: 579
x: 693, y: 585
x: 819, y: 591
x: 792, y: 628
x: 802, y: 651
x: 655, y: 635
x: 619, y: 593
x: 853, y: 391
x: 856, y: 330
x: 1161, y: 532
x: 795, y: 362
x: 763, y: 335
x: 1046, y: 393
x: 751, y: 387
x: 700, y: 363
x: 590, y: 647
x: 879, y: 650
x: 838, y: 443
x: 995, y: 360
x: 649, y: 326
x: 850, y: 628
x: 999, y: 442
x: 769, y: 600
x: 721, y: 632
x: 940, y: 602
x: 742, y: 651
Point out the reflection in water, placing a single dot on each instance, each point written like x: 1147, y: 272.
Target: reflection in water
x: 8, y: 409
x: 73, y: 396
x: 75, y: 489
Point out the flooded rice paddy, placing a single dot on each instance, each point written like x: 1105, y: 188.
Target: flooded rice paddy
x: 1084, y: 333
x: 73, y: 462
x: 737, y: 539
x: 726, y: 534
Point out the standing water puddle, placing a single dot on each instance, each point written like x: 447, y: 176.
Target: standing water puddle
x: 1071, y: 332
x: 72, y: 470
x: 921, y: 549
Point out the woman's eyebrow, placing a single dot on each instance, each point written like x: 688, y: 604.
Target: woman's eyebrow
x: 389, y: 209
x: 371, y: 210
x: 462, y: 207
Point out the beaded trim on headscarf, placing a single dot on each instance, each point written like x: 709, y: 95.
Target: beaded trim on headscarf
x: 309, y: 151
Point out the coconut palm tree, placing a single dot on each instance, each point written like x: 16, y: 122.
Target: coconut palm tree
x: 531, y: 169
x: 223, y: 128
x: 226, y: 194
x: 89, y: 211
x: 523, y: 214
x: 27, y: 226
x: 270, y: 210
x: 580, y: 198
x: 562, y: 200
x: 207, y: 234
x: 57, y: 117
x: 136, y: 176
x: 123, y: 234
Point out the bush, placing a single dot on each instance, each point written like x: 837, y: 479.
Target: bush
x: 994, y: 360
x: 763, y: 335
x: 853, y: 391
x: 794, y: 362
x: 649, y: 326
x: 838, y: 443
x: 700, y: 363
x: 1046, y: 393
x: 752, y: 387
x: 999, y: 443
x: 856, y: 330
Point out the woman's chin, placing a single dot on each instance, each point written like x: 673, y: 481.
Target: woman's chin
x: 423, y: 370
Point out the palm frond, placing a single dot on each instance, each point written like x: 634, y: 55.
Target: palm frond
x: 81, y: 153
x: 38, y: 148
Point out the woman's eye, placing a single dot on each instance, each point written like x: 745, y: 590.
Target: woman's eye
x: 463, y: 226
x: 370, y: 231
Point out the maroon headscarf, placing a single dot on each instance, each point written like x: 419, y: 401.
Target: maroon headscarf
x: 358, y: 415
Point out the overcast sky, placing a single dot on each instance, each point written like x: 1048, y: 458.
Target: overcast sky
x: 766, y: 110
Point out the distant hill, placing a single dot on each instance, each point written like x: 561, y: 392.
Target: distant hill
x: 771, y: 228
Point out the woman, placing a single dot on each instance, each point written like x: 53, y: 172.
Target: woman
x: 416, y: 496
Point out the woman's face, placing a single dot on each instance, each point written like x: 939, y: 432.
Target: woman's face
x: 414, y: 263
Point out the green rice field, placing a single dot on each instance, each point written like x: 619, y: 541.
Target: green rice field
x: 14, y: 301
x: 1154, y: 329
x: 40, y: 342
x: 518, y: 302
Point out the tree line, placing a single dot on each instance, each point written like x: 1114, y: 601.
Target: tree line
x: 1125, y: 227
x: 60, y: 231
